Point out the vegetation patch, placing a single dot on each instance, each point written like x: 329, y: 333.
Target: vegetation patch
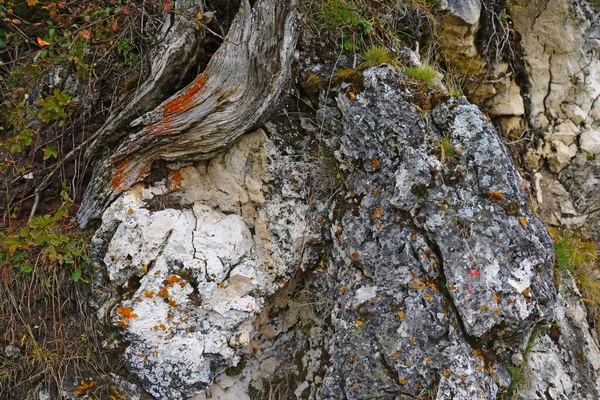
x: 578, y: 256
x: 425, y: 72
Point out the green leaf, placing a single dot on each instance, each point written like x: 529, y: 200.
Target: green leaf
x: 50, y: 152
x: 196, y: 25
x: 76, y: 276
x: 26, y: 268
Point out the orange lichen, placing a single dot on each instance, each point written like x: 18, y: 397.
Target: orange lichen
x: 523, y: 221
x: 149, y: 294
x: 184, y: 102
x: 359, y: 322
x: 447, y: 372
x: 401, y: 381
x: 176, y: 179
x: 401, y: 314
x: 428, y: 361
x: 85, y: 385
x: 428, y: 296
x: 413, y: 340
x: 164, y: 293
x: 354, y: 254
x: 377, y: 213
x: 173, y: 280
x: 375, y: 163
x: 495, y: 196
x: 496, y: 298
x: 395, y: 356
x: 126, y: 312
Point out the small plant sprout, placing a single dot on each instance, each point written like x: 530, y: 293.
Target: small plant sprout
x: 446, y: 149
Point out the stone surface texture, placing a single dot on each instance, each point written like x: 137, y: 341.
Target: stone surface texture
x: 348, y: 254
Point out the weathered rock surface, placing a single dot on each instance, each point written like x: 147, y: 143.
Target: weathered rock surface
x: 192, y: 280
x: 421, y: 273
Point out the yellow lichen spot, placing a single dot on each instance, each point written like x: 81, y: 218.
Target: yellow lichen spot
x: 401, y: 381
x: 355, y: 386
x: 447, y: 372
x: 496, y: 310
x: 490, y: 369
x: 359, y: 322
x: 523, y: 221
x: 414, y: 284
x: 485, y: 307
x: 452, y: 288
x: 401, y: 314
x: 407, y: 363
x: 413, y: 340
x: 463, y: 378
x: 428, y: 296
x: 144, y: 269
x: 130, y: 211
x: 496, y: 298
x: 351, y: 359
x: 173, y: 303
x: 149, y: 294
x: 395, y: 356
x: 428, y: 361
x: 354, y: 255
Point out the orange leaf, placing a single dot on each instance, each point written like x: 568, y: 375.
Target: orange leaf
x: 15, y: 21
x: 42, y: 42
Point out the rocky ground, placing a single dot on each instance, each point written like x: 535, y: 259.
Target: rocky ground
x: 380, y: 236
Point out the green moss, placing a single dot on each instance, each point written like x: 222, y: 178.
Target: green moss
x: 377, y: 55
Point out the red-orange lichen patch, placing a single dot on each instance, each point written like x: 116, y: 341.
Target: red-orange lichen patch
x: 149, y: 294
x: 120, y: 176
x: 183, y: 102
x: 176, y: 179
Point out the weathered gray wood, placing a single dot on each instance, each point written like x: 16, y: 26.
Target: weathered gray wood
x: 232, y: 96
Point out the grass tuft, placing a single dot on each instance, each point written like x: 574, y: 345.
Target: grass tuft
x: 424, y: 72
x: 377, y: 55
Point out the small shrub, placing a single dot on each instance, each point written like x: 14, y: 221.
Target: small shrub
x: 377, y: 55
x: 424, y: 72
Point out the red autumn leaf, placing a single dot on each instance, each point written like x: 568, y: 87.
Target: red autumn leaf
x: 167, y: 5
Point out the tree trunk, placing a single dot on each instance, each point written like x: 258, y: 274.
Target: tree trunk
x: 234, y: 94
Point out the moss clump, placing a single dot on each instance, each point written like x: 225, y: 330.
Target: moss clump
x: 235, y: 371
x: 424, y: 72
x: 377, y: 55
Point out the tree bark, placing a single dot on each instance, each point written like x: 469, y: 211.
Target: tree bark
x: 234, y: 95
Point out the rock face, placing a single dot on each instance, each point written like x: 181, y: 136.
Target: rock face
x: 419, y: 270
x: 186, y: 284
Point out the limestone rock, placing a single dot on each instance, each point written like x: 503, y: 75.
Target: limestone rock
x: 590, y: 141
x: 186, y: 285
